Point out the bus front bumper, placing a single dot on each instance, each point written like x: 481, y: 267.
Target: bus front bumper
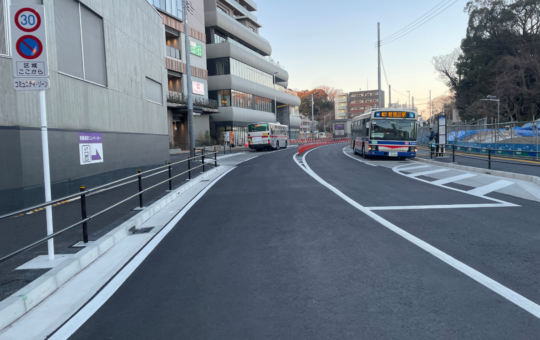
x: 386, y: 154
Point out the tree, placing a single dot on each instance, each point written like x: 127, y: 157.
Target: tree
x: 323, y: 100
x: 445, y: 65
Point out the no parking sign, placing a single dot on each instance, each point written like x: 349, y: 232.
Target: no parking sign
x: 29, y: 46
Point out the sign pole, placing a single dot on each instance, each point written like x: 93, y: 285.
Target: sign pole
x: 46, y: 170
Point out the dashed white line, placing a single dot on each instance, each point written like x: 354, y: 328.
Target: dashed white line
x: 496, y: 287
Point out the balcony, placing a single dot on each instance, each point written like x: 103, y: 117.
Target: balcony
x: 244, y: 12
x: 282, y: 89
x: 182, y: 99
x: 220, y: 39
x: 173, y: 53
x: 250, y: 3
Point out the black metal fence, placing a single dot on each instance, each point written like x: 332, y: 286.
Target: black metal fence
x: 445, y: 149
x: 201, y: 155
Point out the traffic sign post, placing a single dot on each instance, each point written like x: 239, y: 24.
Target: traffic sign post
x: 31, y: 73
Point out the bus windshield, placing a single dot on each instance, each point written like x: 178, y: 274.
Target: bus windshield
x: 393, y: 129
x: 258, y: 128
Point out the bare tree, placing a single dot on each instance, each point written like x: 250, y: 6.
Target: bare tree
x: 445, y: 66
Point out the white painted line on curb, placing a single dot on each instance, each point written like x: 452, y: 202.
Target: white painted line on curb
x: 449, y: 206
x: 453, y: 179
x: 356, y: 159
x: 496, y: 287
x: 428, y: 172
x: 93, y: 306
x: 486, y: 189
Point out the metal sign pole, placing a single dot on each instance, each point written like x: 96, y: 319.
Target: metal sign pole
x: 46, y: 171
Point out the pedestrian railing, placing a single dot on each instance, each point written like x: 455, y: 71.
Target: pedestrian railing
x: 203, y: 155
x: 311, y: 145
x: 439, y: 150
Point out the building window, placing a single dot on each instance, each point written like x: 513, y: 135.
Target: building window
x: 80, y: 42
x: 154, y: 91
x: 218, y: 66
x: 243, y: 100
x: 4, y: 31
x: 173, y: 7
x: 250, y: 73
x: 251, y: 29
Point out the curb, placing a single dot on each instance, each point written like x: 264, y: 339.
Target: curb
x: 505, y: 174
x: 31, y: 295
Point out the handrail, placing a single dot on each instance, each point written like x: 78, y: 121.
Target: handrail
x: 88, y: 191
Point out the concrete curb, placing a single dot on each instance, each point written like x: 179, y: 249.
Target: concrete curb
x: 528, y: 178
x: 31, y: 295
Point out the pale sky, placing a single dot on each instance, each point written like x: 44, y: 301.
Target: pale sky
x: 333, y: 43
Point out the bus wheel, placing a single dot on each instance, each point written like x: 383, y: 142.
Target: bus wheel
x: 364, y: 152
x: 277, y: 145
x: 258, y: 150
x: 286, y: 144
x: 353, y: 145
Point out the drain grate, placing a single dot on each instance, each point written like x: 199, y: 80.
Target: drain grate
x: 142, y: 230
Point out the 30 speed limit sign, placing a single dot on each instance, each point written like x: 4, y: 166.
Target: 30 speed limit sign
x: 29, y: 46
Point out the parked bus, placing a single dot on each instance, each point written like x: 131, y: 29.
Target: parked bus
x: 268, y: 136
x: 384, y: 132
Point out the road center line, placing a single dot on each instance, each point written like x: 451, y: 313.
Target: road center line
x: 484, y: 280
x: 70, y: 327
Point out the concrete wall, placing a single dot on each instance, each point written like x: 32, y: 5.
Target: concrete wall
x: 135, y: 131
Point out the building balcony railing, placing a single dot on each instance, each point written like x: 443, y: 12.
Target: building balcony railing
x: 243, y: 10
x: 173, y: 52
x: 182, y: 99
x: 282, y: 89
x: 236, y: 43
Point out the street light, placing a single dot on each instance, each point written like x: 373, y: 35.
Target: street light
x: 494, y: 99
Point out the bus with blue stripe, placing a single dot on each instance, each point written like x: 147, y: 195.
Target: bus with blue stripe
x: 384, y: 132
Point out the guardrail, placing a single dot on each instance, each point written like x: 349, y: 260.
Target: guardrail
x: 439, y: 150
x: 204, y: 154
x: 321, y: 142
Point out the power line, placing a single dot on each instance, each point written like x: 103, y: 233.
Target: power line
x: 426, y: 20
x: 427, y: 13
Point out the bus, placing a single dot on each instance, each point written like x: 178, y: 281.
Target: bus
x: 268, y: 136
x: 384, y: 132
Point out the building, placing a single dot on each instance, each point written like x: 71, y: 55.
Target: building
x: 341, y: 106
x: 107, y: 75
x: 360, y: 101
x: 247, y: 83
x: 175, y: 64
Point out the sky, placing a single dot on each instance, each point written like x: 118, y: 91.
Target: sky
x: 334, y: 43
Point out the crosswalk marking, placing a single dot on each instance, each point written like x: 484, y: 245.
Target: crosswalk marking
x: 452, y: 179
x: 428, y: 172
x: 415, y: 167
x: 486, y: 189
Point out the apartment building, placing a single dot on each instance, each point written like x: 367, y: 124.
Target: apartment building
x: 360, y: 101
x: 175, y: 66
x: 247, y: 83
x: 107, y: 78
x: 341, y: 106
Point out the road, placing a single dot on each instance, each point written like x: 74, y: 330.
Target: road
x: 330, y: 246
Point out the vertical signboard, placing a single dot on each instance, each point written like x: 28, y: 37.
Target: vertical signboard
x: 339, y: 129
x: 29, y: 47
x: 90, y: 148
x: 442, y: 129
x: 195, y: 49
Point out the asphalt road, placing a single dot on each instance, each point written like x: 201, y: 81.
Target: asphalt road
x: 271, y: 253
x: 526, y: 167
x: 21, y: 231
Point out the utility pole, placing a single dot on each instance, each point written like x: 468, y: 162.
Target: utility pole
x: 389, y: 96
x: 312, y: 120
x: 412, y: 108
x: 430, y: 107
x: 379, y: 59
x: 409, y: 103
x: 189, y: 84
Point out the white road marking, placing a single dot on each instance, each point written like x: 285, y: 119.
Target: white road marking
x: 397, y: 170
x: 427, y: 172
x: 415, y: 167
x: 496, y: 287
x: 486, y: 189
x: 448, y: 206
x: 356, y: 159
x: 452, y: 179
x: 93, y: 306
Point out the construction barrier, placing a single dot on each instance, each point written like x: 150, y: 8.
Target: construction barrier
x: 311, y: 145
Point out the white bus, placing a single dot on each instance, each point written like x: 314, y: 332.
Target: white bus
x: 268, y: 136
